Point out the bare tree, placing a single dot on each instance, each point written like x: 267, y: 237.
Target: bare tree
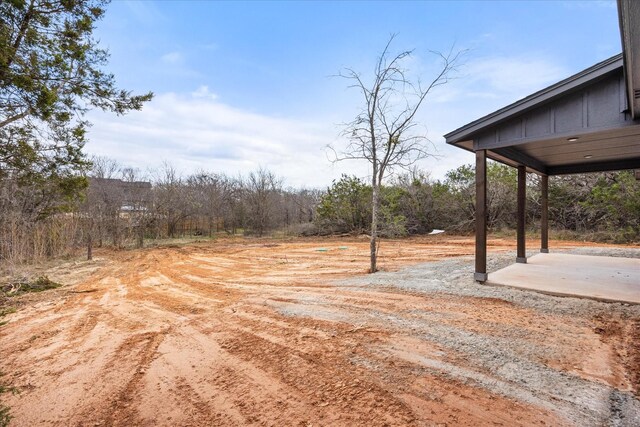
x: 174, y: 204
x: 263, y: 188
x: 385, y: 132
x: 137, y: 202
x: 231, y: 208
x: 102, y: 204
x: 209, y: 190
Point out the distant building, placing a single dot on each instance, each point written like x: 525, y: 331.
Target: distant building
x: 127, y: 197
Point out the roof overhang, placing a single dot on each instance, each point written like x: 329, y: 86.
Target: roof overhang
x: 586, y: 123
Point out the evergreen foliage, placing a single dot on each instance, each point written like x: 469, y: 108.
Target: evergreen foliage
x: 51, y: 74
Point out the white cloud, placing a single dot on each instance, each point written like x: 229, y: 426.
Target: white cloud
x: 203, y: 92
x: 513, y: 76
x: 172, y: 58
x: 486, y: 84
x: 501, y: 78
x: 197, y: 132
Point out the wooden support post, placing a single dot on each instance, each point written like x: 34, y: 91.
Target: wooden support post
x: 544, y: 217
x: 521, y: 256
x: 481, y: 216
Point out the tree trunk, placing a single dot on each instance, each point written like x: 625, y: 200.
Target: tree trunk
x: 24, y: 26
x: 90, y: 241
x: 116, y: 232
x: 374, y: 226
x: 141, y: 235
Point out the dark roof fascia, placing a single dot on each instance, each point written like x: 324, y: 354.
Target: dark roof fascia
x: 563, y: 87
x: 625, y: 19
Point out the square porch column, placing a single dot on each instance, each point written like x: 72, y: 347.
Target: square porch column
x: 544, y: 215
x: 480, y: 274
x: 521, y: 256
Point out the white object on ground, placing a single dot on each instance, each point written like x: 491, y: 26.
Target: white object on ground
x: 437, y: 232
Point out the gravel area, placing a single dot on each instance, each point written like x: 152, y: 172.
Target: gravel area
x: 455, y: 276
x: 509, y: 363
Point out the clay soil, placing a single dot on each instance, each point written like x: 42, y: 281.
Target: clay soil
x: 261, y: 332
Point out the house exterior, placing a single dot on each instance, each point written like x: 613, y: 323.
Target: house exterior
x: 125, y: 197
x: 589, y: 122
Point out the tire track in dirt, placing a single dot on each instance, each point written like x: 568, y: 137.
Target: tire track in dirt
x: 131, y: 360
x: 233, y: 333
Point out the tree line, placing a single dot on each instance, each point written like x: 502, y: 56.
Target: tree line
x: 121, y: 207
x: 120, y: 204
x: 599, y: 206
x: 54, y: 201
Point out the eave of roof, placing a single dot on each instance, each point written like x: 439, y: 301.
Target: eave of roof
x: 629, y: 21
x: 561, y: 88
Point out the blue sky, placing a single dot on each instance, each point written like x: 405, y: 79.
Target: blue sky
x: 246, y: 84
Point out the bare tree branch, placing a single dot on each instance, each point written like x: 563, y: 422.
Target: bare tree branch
x: 384, y: 132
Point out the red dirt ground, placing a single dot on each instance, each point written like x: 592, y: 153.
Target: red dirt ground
x: 193, y: 335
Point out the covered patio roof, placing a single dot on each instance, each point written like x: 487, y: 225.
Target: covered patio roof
x: 589, y: 122
x: 582, y: 124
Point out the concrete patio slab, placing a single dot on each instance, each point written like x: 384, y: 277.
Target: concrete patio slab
x: 596, y: 277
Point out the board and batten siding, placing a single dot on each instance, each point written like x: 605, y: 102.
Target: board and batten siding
x: 599, y: 106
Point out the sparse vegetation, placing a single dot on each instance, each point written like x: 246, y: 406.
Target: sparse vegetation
x: 23, y: 286
x: 6, y: 310
x: 5, y: 413
x: 15, y: 288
